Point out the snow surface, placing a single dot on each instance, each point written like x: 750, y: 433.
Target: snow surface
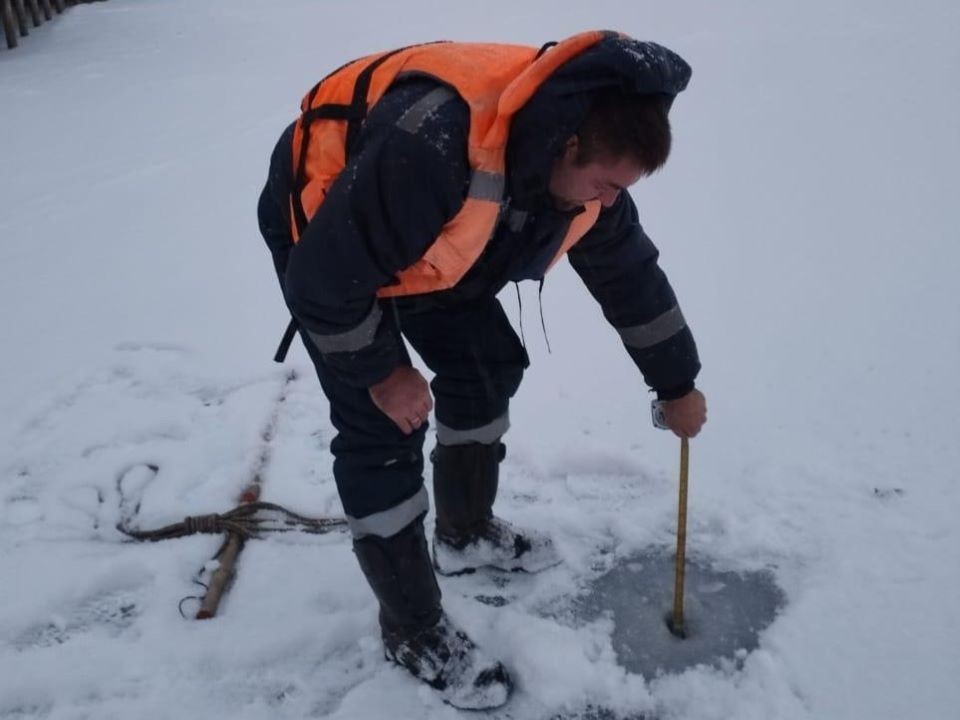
x: 807, y: 219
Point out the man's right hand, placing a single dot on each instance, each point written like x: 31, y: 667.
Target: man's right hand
x: 686, y: 415
x: 404, y: 397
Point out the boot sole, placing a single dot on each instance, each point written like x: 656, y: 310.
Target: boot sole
x: 474, y: 570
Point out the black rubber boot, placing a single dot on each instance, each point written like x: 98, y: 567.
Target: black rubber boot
x: 416, y: 633
x: 468, y: 536
x: 465, y: 481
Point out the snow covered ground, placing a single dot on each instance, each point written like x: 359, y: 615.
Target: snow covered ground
x: 807, y: 219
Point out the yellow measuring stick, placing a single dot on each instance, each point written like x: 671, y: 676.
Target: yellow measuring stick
x: 677, y: 625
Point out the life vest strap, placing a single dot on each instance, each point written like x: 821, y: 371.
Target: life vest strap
x: 332, y: 111
x: 353, y: 114
x: 543, y: 48
x: 284, y: 347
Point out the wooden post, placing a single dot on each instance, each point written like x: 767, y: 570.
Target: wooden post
x: 9, y: 29
x: 21, y: 17
x: 58, y: 6
x: 47, y: 10
x: 221, y: 578
x: 34, y: 11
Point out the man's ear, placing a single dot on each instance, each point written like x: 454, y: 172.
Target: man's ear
x: 570, y: 149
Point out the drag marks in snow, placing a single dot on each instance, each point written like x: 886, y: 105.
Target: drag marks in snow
x: 28, y: 711
x: 155, y: 406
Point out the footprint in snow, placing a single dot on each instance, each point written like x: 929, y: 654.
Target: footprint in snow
x: 111, y: 614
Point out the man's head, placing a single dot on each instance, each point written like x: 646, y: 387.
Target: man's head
x: 622, y: 138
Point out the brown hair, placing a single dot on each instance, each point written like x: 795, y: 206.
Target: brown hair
x: 619, y: 125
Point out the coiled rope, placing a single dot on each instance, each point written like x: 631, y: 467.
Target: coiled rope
x: 248, y: 520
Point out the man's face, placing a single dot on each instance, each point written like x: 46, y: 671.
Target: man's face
x: 603, y: 179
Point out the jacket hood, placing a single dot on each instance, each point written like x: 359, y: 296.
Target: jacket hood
x: 555, y: 111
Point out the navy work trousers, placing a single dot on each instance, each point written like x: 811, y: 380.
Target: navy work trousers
x: 478, y: 363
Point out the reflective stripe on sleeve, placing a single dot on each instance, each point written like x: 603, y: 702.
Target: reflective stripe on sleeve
x: 655, y: 331
x: 389, y: 522
x: 413, y: 118
x: 486, y: 186
x: 487, y: 434
x: 483, y: 185
x: 352, y: 340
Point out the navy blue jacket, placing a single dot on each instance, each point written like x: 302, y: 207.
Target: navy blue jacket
x: 399, y: 188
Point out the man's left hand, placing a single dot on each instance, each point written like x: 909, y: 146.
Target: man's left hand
x: 686, y: 415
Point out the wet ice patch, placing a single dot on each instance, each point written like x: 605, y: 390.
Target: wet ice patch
x: 725, y: 611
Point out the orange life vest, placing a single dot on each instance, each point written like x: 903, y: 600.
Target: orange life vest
x: 494, y: 80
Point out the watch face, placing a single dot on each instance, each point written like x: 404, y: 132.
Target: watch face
x: 657, y: 414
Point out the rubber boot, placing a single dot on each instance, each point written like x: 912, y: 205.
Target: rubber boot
x: 417, y: 635
x: 468, y: 536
